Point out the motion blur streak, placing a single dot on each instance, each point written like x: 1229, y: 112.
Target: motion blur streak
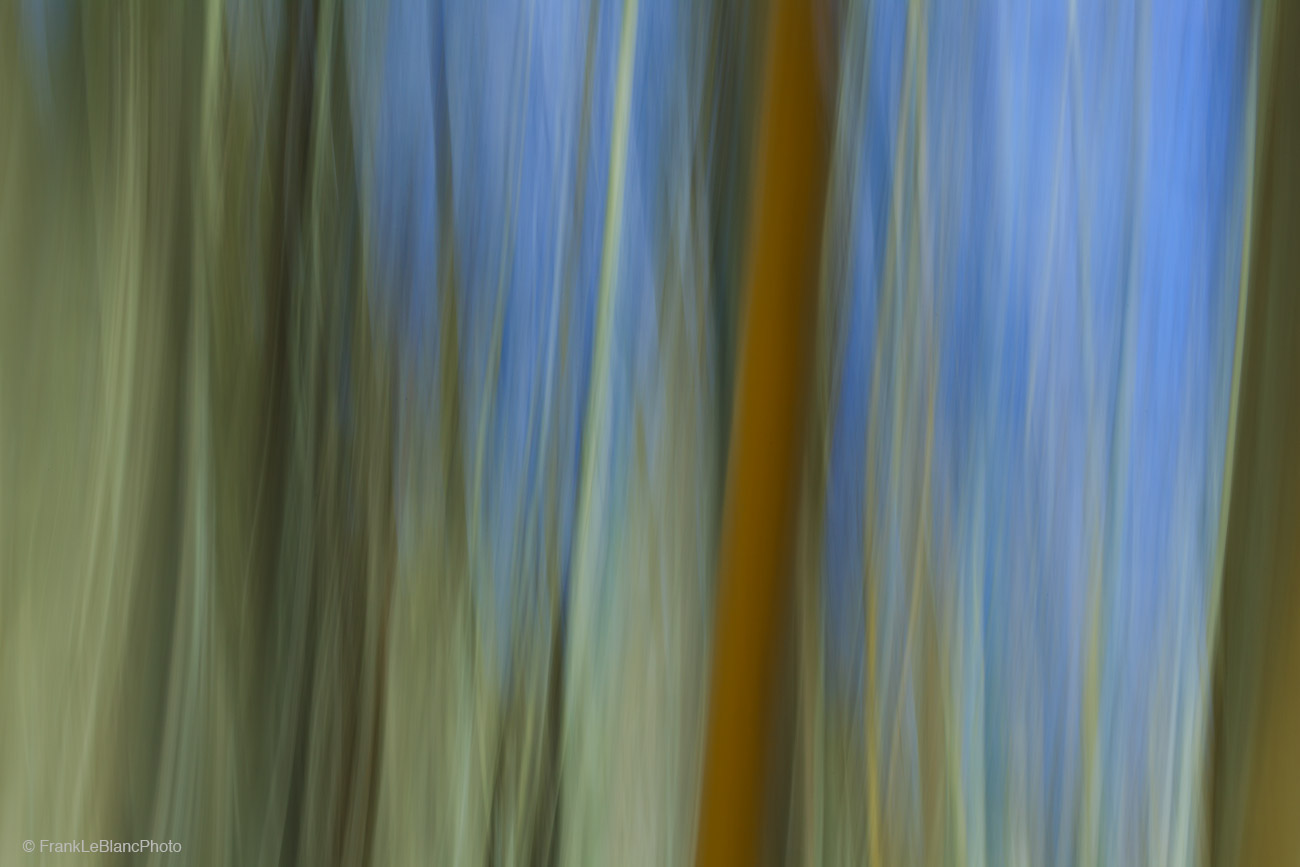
x: 410, y: 438
x: 1255, y: 782
x: 361, y: 387
x: 1030, y: 303
x: 762, y: 481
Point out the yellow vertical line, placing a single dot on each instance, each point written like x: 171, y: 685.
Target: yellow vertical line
x: 1087, y: 845
x: 595, y: 438
x: 1247, y: 170
x: 756, y: 546
x: 886, y: 325
x: 1212, y: 656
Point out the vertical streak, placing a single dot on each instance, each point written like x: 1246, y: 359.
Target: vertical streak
x: 1243, y: 307
x: 761, y: 481
x: 1256, y: 761
x: 598, y: 404
x: 595, y: 433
